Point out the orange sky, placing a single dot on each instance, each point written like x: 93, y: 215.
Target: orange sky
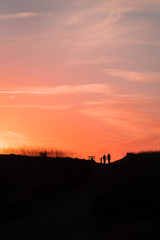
x: 82, y: 77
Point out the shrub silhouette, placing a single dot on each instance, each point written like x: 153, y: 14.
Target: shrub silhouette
x: 43, y: 154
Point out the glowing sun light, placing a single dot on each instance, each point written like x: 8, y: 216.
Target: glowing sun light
x: 3, y: 144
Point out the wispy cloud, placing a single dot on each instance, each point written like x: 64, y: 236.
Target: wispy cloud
x: 110, y: 29
x: 55, y: 107
x: 126, y: 116
x: 18, y: 15
x: 93, y: 103
x: 12, y: 138
x: 89, y: 60
x: 126, y: 123
x: 134, y: 76
x: 111, y: 15
x: 12, y: 134
x: 65, y: 89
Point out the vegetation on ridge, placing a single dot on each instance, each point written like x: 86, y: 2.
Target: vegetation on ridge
x: 29, y: 151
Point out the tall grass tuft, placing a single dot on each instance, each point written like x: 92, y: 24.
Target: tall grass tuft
x: 29, y: 151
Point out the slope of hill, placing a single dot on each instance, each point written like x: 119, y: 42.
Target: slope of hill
x: 131, y: 204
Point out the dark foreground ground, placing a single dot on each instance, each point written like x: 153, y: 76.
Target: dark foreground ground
x: 46, y: 198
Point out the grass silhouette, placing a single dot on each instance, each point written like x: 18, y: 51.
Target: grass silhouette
x: 29, y: 151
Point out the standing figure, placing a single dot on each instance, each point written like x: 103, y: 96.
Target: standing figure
x: 104, y: 158
x: 109, y: 158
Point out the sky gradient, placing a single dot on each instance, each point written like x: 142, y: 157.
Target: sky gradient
x: 81, y: 76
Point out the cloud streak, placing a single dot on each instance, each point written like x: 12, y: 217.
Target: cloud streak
x: 55, y: 107
x: 18, y: 15
x: 134, y: 76
x: 65, y: 89
x: 12, y: 134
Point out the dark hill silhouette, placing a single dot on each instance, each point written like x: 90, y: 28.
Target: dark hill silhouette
x: 46, y: 198
x: 131, y: 203
x: 25, y: 180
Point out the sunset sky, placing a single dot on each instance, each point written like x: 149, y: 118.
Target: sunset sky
x: 80, y: 75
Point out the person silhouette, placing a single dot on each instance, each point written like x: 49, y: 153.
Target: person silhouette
x: 109, y: 158
x: 104, y: 158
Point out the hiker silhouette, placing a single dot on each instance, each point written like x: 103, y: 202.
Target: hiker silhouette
x: 104, y: 158
x: 109, y: 158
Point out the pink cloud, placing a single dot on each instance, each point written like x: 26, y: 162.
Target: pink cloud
x: 126, y: 117
x: 47, y: 107
x: 64, y: 89
x: 134, y: 76
x: 18, y: 15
